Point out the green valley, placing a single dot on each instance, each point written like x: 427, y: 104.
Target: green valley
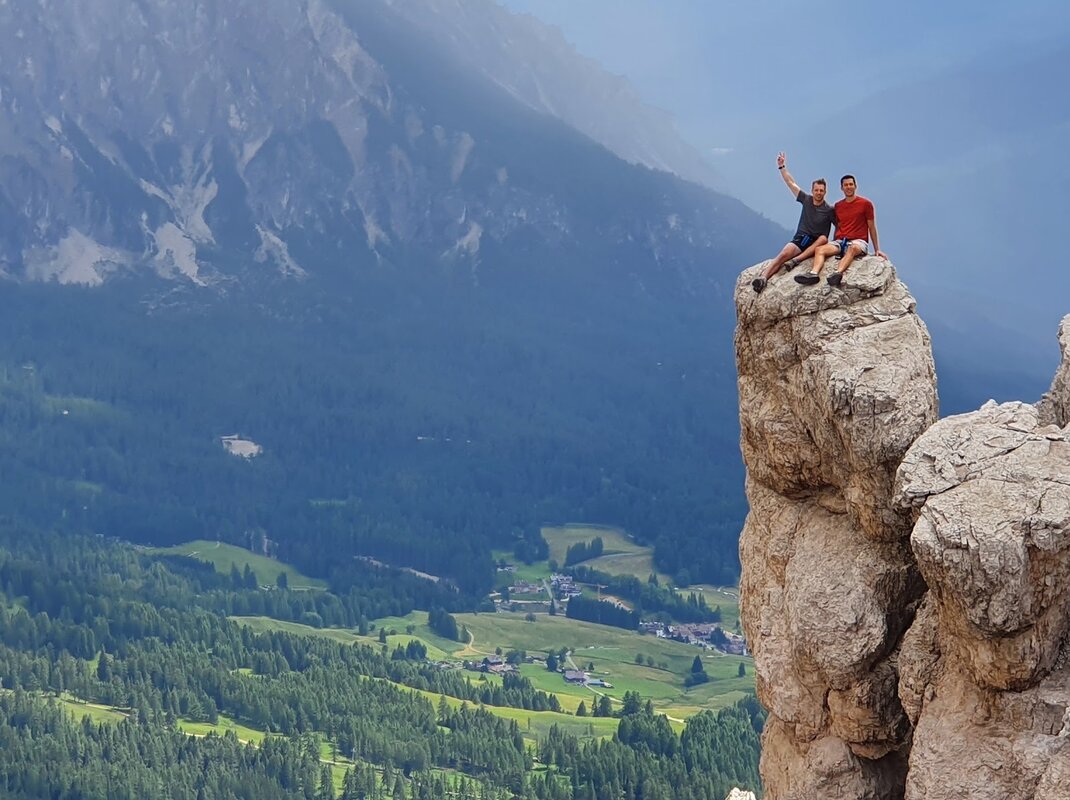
x: 131, y: 651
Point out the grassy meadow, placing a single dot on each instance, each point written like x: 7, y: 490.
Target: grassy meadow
x: 655, y: 668
x: 223, y: 556
x: 612, y: 652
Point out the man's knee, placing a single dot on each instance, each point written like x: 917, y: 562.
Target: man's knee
x: 829, y: 249
x: 821, y: 240
x: 854, y: 251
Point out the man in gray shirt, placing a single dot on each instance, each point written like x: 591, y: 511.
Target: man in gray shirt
x: 815, y: 222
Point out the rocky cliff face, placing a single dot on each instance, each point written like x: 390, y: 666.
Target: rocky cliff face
x: 834, y: 386
x: 984, y: 672
x: 904, y: 582
x: 214, y: 140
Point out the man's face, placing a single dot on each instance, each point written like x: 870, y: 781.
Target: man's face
x: 818, y: 192
x: 848, y: 187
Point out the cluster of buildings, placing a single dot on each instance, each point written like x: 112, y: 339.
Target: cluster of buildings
x: 524, y: 587
x: 498, y: 665
x: 495, y: 665
x: 564, y: 586
x: 581, y: 678
x: 707, y: 635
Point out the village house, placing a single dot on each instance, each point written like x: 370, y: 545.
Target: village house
x: 564, y: 586
x: 523, y: 587
x: 705, y: 635
x: 735, y: 645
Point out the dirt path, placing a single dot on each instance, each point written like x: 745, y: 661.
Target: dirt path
x: 469, y: 648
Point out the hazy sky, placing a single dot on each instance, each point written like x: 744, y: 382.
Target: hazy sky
x: 731, y: 70
x: 957, y: 126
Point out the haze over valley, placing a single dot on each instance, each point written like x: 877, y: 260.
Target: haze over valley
x: 368, y: 406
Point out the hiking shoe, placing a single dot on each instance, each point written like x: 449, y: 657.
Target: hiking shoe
x: 758, y: 284
x: 835, y: 278
x: 789, y: 265
x: 807, y: 279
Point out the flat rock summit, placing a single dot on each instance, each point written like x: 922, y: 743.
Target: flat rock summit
x: 905, y: 578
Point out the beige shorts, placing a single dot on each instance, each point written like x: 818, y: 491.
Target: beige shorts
x: 862, y: 244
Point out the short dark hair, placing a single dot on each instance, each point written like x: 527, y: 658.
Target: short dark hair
x: 847, y: 177
x: 821, y: 181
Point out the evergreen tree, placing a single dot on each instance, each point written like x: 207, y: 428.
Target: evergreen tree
x: 103, y: 667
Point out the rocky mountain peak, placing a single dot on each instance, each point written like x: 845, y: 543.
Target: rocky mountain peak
x: 834, y: 386
x: 904, y: 579
x: 214, y: 140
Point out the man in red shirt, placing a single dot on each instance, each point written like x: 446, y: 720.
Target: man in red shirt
x: 856, y: 226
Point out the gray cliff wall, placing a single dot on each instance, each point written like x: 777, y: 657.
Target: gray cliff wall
x: 906, y: 582
x: 834, y: 387
x: 985, y: 677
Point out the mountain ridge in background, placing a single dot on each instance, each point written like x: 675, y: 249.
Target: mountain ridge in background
x: 445, y: 316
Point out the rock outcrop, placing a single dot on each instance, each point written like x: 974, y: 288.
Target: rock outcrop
x: 740, y: 794
x: 1054, y: 407
x: 985, y: 668
x: 834, y: 387
x: 905, y: 581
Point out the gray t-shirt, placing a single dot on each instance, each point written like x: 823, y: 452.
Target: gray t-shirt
x: 814, y: 220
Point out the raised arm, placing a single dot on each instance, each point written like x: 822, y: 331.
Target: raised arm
x: 782, y: 165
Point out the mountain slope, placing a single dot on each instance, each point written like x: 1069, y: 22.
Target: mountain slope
x: 445, y: 316
x: 534, y: 63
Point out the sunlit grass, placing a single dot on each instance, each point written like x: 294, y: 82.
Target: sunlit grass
x: 224, y: 725
x: 224, y: 556
x: 96, y: 712
x: 561, y: 538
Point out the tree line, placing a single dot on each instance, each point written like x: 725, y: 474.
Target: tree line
x: 98, y: 620
x: 358, y: 459
x: 650, y: 597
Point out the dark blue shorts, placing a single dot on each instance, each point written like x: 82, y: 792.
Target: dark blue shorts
x: 802, y: 241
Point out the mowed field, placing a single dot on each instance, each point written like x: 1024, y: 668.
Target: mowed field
x: 223, y: 556
x: 605, y: 652
x: 533, y: 724
x: 621, y: 555
x: 438, y: 649
x: 613, y: 653
x: 616, y: 545
x: 655, y: 668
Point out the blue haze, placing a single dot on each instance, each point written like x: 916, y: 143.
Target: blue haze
x: 954, y: 116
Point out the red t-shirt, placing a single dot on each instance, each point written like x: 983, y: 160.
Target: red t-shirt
x: 852, y: 218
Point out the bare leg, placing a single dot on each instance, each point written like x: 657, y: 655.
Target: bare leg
x: 822, y: 252
x: 852, y: 253
x: 809, y: 251
x: 788, y: 252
